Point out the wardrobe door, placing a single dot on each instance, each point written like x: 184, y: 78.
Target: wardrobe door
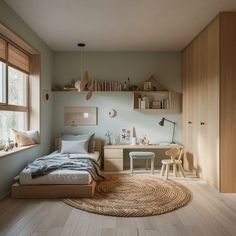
x: 196, y: 81
x: 228, y: 102
x: 187, y: 73
x: 201, y: 115
x: 212, y: 101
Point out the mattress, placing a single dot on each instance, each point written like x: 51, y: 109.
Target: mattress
x: 60, y: 176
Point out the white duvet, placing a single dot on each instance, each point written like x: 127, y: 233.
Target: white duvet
x: 60, y: 176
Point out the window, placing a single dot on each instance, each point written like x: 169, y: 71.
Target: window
x: 14, y: 80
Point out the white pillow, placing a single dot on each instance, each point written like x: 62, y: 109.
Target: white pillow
x: 74, y: 147
x: 32, y: 134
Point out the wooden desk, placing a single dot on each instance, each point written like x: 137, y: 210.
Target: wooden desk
x: 113, y: 154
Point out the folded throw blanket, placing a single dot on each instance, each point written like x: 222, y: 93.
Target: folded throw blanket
x: 43, y: 165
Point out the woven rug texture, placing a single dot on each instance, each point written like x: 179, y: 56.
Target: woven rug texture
x: 133, y: 195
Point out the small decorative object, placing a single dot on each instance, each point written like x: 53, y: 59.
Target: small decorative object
x: 125, y: 86
x: 2, y: 144
x: 125, y: 135
x: 10, y: 143
x: 128, y: 84
x: 133, y: 87
x: 57, y: 88
x: 147, y: 86
x: 75, y: 116
x: 144, y: 102
x: 72, y: 83
x: 112, y: 113
x: 151, y: 84
x: 46, y: 96
x: 77, y: 85
x: 133, y: 141
x: 114, y: 141
x: 156, y: 104
x: 144, y: 140
x: 108, y: 135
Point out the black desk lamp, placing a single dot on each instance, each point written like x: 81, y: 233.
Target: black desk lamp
x: 161, y: 123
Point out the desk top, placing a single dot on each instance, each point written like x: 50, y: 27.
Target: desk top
x: 150, y: 146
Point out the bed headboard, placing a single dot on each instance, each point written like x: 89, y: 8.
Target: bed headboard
x: 97, y: 144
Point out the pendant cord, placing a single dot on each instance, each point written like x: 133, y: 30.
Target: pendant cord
x: 81, y: 63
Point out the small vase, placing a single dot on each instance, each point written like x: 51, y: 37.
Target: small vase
x: 109, y: 141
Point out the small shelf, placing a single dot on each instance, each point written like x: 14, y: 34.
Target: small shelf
x: 157, y: 100
x: 76, y: 90
x: 152, y: 100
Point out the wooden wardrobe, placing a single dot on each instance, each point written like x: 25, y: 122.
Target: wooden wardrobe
x: 209, y: 103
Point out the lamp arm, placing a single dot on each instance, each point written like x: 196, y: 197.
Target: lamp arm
x: 170, y: 121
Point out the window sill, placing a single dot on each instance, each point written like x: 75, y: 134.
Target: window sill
x: 15, y: 150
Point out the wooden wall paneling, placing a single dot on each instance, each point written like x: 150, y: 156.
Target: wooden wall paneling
x: 227, y: 102
x: 184, y: 68
x: 202, y: 124
x: 196, y: 105
x: 196, y: 101
x: 210, y: 67
x: 187, y: 71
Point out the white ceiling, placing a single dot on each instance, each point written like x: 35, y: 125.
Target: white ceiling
x: 119, y: 25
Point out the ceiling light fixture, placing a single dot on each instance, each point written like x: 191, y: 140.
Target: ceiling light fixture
x: 84, y: 78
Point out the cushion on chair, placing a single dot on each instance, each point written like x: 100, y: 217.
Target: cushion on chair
x: 142, y: 154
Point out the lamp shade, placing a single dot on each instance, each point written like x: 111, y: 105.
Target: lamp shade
x: 161, y: 123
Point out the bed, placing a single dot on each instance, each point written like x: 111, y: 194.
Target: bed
x: 59, y: 183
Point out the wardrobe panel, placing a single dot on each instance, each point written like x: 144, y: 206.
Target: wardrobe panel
x: 227, y: 102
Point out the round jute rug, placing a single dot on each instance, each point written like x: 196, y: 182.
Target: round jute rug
x: 134, y: 195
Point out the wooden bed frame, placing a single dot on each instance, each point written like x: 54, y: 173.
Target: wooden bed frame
x: 56, y: 191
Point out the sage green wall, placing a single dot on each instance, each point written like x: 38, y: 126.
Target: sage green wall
x: 11, y: 165
x: 165, y: 66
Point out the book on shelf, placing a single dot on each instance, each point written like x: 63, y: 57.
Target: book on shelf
x: 107, y: 86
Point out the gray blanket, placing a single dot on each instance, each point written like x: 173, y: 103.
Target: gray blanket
x: 44, y: 165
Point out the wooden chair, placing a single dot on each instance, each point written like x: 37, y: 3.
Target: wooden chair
x: 176, y: 155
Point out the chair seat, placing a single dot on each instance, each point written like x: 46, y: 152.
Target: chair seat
x: 142, y: 155
x: 168, y: 161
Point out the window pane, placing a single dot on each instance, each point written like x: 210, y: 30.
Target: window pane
x: 17, y: 87
x: 10, y: 119
x: 2, y: 82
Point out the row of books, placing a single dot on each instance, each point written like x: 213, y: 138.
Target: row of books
x: 109, y: 86
x: 155, y: 104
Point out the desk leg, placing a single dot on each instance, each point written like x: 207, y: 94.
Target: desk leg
x: 131, y: 165
x: 146, y: 162
x: 152, y: 165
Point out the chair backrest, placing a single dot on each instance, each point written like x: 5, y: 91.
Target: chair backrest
x: 174, y: 153
x: 181, y: 154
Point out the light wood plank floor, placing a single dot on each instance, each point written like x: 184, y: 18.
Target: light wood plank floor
x: 208, y: 214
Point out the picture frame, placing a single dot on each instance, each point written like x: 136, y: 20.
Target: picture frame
x: 126, y: 133
x: 79, y: 116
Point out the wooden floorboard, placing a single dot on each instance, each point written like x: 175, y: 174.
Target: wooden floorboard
x: 209, y: 213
